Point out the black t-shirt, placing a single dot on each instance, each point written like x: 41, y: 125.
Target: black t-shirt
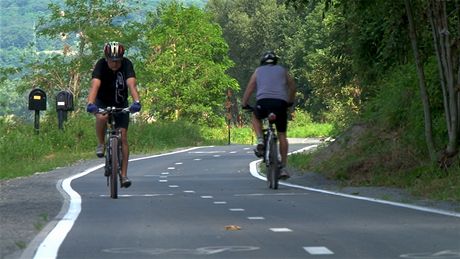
x: 114, y: 89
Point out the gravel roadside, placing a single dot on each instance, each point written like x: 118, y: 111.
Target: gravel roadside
x: 31, y: 206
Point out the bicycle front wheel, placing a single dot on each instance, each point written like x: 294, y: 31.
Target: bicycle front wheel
x: 114, y: 173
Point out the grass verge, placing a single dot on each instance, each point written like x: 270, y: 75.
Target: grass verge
x: 22, y: 152
x: 380, y: 159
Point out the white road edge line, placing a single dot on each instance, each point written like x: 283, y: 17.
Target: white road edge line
x: 255, y: 173
x: 48, y: 249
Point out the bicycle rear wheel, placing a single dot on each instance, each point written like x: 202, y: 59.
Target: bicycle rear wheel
x: 114, y: 173
x: 274, y: 169
x: 267, y: 153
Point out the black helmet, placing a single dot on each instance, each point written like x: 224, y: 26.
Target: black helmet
x: 114, y: 50
x: 269, y: 57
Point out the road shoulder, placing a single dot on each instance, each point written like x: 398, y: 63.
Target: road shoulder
x: 29, y: 204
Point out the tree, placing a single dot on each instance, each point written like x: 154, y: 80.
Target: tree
x: 447, y: 47
x: 377, y: 35
x: 185, y: 65
x: 253, y: 27
x: 422, y: 83
x: 82, y: 27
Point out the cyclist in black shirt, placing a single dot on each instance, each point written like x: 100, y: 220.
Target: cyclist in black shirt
x: 111, y: 78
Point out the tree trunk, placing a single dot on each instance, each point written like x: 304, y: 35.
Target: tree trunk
x: 437, y: 14
x: 422, y: 83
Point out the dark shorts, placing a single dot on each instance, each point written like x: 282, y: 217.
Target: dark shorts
x: 278, y: 107
x: 121, y: 119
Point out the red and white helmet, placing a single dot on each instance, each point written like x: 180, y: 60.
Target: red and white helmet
x: 114, y: 50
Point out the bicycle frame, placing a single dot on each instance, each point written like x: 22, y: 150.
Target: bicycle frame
x: 113, y: 157
x: 271, y: 158
x: 270, y: 155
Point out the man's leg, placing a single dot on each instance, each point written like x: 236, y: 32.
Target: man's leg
x: 125, y: 148
x: 257, y: 125
x: 101, y: 125
x: 125, y: 158
x: 284, y: 175
x: 283, y: 147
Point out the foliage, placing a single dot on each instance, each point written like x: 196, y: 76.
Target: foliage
x: 53, y: 147
x: 18, y: 22
x: 253, y: 27
x: 83, y: 27
x: 315, y: 48
x: 43, y: 151
x: 20, y: 16
x: 369, y: 53
x: 185, y: 64
x: 351, y: 60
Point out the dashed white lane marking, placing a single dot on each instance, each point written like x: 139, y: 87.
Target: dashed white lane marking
x: 318, y: 250
x: 207, y: 197
x: 256, y: 218
x: 173, y: 186
x: 216, y: 155
x: 233, y: 152
x: 220, y: 202
x: 189, y: 191
x: 281, y: 229
x: 197, y: 159
x: 165, y: 173
x: 163, y: 176
x: 163, y: 181
x: 171, y: 168
x: 246, y: 148
x: 49, y: 247
x: 178, y: 163
x: 236, y: 209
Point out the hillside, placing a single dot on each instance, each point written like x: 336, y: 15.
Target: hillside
x: 19, y: 17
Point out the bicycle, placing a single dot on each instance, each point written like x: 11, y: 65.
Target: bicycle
x: 114, y: 152
x: 270, y: 155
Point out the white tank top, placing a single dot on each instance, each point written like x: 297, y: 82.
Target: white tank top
x: 271, y: 82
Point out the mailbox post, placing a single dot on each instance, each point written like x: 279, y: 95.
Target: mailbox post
x: 64, y: 103
x: 37, y: 102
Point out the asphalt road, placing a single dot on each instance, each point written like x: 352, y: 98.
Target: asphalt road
x: 203, y: 203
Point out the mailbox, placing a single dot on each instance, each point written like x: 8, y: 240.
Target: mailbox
x: 37, y: 100
x: 64, y: 101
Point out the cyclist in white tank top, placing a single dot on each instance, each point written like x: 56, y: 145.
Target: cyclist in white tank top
x: 275, y: 91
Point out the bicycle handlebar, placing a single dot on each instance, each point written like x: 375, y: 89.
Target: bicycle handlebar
x: 248, y: 108
x: 112, y: 110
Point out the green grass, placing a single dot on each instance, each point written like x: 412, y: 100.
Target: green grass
x: 310, y: 130
x: 22, y: 152
x: 379, y: 160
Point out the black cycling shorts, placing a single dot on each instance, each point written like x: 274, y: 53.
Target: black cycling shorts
x: 278, y: 107
x: 121, y: 119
